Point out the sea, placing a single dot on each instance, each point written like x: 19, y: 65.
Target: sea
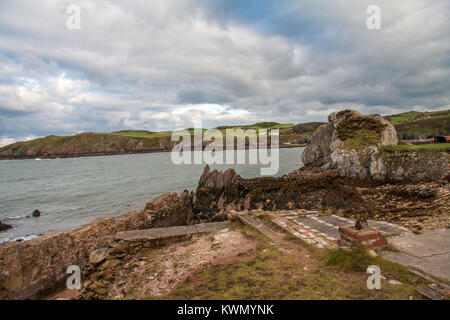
x: 74, y: 191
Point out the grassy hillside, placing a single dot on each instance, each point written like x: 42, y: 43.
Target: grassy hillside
x: 131, y: 141
x: 415, y: 125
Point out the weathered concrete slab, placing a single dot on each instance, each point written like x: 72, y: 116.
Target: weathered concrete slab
x: 429, y: 293
x: 428, y: 252
x: 259, y: 225
x: 327, y: 226
x: 438, y: 266
x: 312, y: 236
x: 430, y: 243
x: 162, y: 233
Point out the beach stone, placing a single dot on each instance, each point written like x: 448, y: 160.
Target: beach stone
x: 101, y: 290
x: 110, y: 264
x: 36, y: 213
x: 98, y: 255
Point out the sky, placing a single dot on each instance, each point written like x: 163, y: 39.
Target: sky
x: 159, y: 65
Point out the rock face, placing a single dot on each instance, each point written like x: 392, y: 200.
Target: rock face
x: 170, y: 209
x: 217, y: 180
x: 317, y: 152
x: 350, y: 143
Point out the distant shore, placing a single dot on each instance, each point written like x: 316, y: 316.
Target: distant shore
x: 115, y: 153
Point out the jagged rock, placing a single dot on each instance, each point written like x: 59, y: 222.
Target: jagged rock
x: 109, y: 264
x: 170, y: 209
x: 4, y: 226
x: 217, y: 180
x: 98, y: 255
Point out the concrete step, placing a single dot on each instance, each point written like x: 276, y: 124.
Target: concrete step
x: 163, y: 233
x: 259, y: 225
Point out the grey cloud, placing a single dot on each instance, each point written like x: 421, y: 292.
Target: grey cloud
x: 143, y: 63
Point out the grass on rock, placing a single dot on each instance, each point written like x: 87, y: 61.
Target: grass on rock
x: 358, y: 132
x: 419, y: 147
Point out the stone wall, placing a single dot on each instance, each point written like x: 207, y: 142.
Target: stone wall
x: 29, y: 269
x: 418, y: 166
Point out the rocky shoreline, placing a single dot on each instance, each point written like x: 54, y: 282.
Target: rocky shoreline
x: 344, y: 175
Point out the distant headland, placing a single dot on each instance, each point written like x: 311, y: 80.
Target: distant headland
x: 415, y: 127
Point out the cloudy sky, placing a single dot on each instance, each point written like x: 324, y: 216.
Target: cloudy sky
x: 159, y: 64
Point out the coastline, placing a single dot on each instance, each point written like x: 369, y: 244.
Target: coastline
x: 115, y: 153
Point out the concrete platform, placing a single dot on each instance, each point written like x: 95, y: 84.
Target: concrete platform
x: 428, y: 252
x: 322, y: 231
x: 163, y: 233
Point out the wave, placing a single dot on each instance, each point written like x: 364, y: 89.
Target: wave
x: 20, y: 239
x: 17, y: 217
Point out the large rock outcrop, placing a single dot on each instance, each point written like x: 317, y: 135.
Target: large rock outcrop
x: 351, y: 143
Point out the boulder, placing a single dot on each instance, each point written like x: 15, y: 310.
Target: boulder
x: 317, y: 152
x: 98, y: 255
x: 350, y: 143
x: 36, y: 213
x: 4, y: 226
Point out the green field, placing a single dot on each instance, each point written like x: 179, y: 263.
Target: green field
x: 141, y: 134
x: 415, y: 115
x: 426, y: 147
x: 419, y: 125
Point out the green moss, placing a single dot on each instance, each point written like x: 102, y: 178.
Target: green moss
x: 358, y: 131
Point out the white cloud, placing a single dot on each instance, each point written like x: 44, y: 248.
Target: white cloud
x: 159, y: 64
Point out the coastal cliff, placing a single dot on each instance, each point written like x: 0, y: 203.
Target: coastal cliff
x: 85, y: 144
x: 136, y: 141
